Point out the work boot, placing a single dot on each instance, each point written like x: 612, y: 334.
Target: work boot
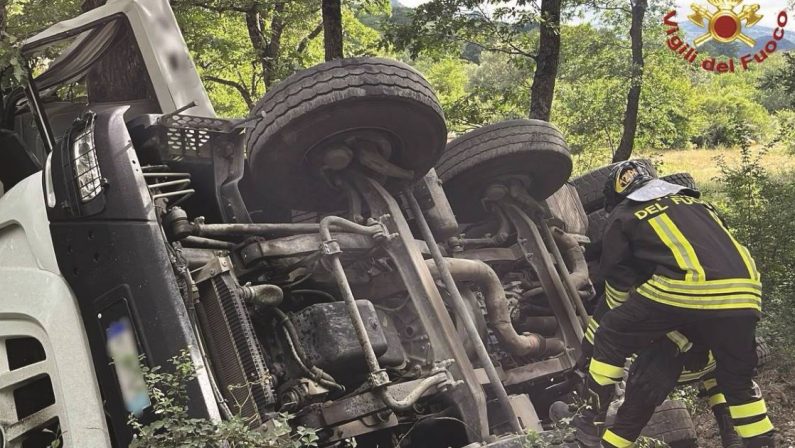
x: 728, y: 436
x: 765, y: 441
x: 587, y: 433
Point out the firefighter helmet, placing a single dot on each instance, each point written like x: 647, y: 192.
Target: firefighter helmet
x: 634, y: 180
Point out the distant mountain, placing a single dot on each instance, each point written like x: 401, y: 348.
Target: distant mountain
x: 761, y: 34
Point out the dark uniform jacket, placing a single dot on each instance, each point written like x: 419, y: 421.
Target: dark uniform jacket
x: 676, y: 251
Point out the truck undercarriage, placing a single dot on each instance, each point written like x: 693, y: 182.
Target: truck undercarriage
x: 388, y: 309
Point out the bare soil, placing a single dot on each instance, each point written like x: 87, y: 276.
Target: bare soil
x: 778, y: 387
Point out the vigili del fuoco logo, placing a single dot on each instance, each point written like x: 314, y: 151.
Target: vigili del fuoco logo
x: 724, y: 22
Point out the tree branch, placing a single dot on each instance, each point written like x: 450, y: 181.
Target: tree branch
x: 305, y: 41
x: 237, y: 86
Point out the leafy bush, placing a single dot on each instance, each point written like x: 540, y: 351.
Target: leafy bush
x: 174, y: 428
x: 727, y: 118
x: 785, y: 134
x: 758, y: 208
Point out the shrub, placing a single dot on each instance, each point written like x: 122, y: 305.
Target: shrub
x: 785, y: 133
x: 758, y: 208
x: 174, y: 428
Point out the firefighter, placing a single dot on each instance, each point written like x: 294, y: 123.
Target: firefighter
x: 670, y: 361
x: 672, y: 265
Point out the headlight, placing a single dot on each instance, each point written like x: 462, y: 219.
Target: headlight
x: 86, y: 167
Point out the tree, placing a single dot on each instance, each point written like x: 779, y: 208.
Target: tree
x: 630, y: 124
x: 469, y: 28
x: 543, y: 90
x: 332, y: 28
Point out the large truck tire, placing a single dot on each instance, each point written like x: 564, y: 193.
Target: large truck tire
x: 565, y: 206
x: 529, y: 150
x: 590, y: 186
x: 672, y: 424
x: 358, y: 104
x: 683, y: 179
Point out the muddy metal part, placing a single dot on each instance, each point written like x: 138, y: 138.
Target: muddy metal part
x: 468, y: 398
x: 530, y: 240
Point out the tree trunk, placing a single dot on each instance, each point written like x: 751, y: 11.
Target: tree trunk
x: 121, y: 74
x: 543, y: 90
x: 624, y: 150
x: 274, y: 47
x: 254, y: 27
x: 3, y: 4
x: 332, y: 29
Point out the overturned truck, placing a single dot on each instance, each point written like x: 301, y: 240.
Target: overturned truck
x: 330, y: 256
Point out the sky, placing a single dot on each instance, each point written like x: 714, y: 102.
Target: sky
x: 768, y: 8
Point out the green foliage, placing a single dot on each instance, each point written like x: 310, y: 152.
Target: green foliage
x: 785, y: 132
x: 758, y: 208
x: 729, y: 112
x: 174, y: 428
x: 687, y: 395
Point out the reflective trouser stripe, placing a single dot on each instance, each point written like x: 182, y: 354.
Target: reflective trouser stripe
x: 716, y: 399
x: 681, y: 249
x: 680, y: 340
x: 615, y: 440
x: 754, y: 429
x: 614, y: 297
x: 688, y: 376
x: 590, y: 333
x: 710, y: 383
x: 752, y: 409
x: 604, y: 373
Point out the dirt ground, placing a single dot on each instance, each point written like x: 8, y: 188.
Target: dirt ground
x: 778, y: 386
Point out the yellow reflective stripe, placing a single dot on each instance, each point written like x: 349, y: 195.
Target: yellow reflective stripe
x: 680, y: 340
x: 592, y: 324
x: 716, y: 399
x: 734, y: 301
x: 614, y: 297
x: 616, y: 440
x: 606, y: 369
x: 752, y: 409
x: 604, y: 373
x: 621, y: 295
x: 590, y: 334
x: 725, y: 286
x: 688, y: 375
x: 754, y: 429
x: 710, y: 383
x: 750, y: 264
x: 681, y: 249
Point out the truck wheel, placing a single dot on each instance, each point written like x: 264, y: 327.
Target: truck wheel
x: 596, y: 226
x: 683, y: 179
x: 354, y: 104
x: 672, y: 424
x: 590, y: 186
x: 533, y: 150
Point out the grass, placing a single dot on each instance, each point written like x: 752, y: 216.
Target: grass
x: 702, y: 164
